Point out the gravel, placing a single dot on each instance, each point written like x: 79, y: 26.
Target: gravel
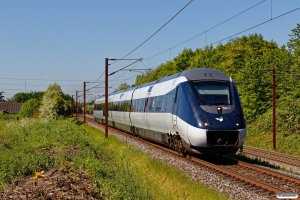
x: 219, y: 182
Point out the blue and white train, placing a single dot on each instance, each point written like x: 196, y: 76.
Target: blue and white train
x: 194, y: 111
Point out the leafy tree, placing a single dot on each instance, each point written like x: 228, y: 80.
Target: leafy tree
x: 294, y: 42
x: 122, y: 86
x: 248, y: 60
x: 29, y: 108
x: 1, y: 96
x: 22, y: 97
x: 182, y: 61
x: 53, y: 104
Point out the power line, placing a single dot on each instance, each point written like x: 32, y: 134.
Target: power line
x: 242, y: 31
x: 208, y: 29
x: 23, y: 79
x: 150, y: 36
x: 256, y: 25
x: 36, y: 85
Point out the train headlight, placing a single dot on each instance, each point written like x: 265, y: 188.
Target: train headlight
x: 203, y: 121
x: 237, y: 121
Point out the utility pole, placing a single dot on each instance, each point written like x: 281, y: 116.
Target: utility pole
x: 106, y: 89
x: 84, y: 106
x: 106, y: 98
x: 76, y: 103
x: 72, y: 106
x: 274, y: 107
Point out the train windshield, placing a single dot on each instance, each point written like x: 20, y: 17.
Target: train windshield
x: 213, y: 92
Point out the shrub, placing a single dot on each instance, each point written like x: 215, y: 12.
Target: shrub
x: 29, y: 108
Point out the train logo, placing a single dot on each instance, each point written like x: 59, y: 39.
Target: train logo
x: 220, y: 119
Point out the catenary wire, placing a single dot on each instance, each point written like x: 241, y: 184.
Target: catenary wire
x: 149, y: 37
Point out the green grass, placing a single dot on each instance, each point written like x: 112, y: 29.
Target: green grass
x: 117, y: 170
x: 260, y: 134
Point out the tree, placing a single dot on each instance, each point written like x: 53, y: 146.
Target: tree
x: 1, y: 96
x: 53, y: 104
x: 122, y: 86
x: 22, y: 97
x: 182, y: 61
x: 29, y: 108
x: 294, y: 42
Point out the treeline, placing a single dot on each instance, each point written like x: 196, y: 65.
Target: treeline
x: 47, y: 106
x: 249, y: 60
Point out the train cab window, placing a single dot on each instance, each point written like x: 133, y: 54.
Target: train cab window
x: 213, y: 92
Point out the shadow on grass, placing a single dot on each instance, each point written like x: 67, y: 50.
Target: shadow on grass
x: 75, y: 121
x: 256, y: 161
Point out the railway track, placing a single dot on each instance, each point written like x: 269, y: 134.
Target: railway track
x: 260, y: 180
x: 275, y: 157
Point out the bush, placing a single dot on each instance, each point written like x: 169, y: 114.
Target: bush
x: 29, y: 108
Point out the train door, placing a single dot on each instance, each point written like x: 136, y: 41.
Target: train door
x: 175, y: 108
x: 148, y: 107
x: 146, y: 110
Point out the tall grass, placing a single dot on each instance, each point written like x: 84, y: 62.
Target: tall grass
x: 118, y: 171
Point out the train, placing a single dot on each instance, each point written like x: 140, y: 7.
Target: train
x: 193, y: 111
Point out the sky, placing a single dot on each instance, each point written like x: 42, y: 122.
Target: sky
x: 66, y: 41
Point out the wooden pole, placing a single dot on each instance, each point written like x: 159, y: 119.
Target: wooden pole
x: 274, y: 107
x: 84, y: 102
x: 106, y: 98
x: 72, y: 106
x: 76, y: 103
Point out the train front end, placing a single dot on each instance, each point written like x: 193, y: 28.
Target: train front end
x: 217, y: 123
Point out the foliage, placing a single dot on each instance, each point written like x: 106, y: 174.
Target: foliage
x: 122, y: 86
x: 294, y: 42
x: 29, y: 108
x: 248, y: 60
x: 4, y: 116
x: 22, y: 97
x: 53, y: 104
x: 117, y: 170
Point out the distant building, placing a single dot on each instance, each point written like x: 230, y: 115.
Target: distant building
x: 10, y: 107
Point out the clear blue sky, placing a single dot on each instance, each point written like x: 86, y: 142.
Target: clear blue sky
x: 66, y: 41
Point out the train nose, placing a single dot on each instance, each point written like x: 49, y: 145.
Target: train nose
x: 218, y: 138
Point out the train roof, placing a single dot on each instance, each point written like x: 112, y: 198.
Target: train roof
x: 191, y: 74
x: 205, y: 74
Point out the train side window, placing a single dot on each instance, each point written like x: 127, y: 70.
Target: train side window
x: 128, y: 106
x: 142, y: 105
x: 122, y: 106
x: 133, y: 105
x: 153, y: 104
x: 170, y: 105
x: 150, y: 104
x: 139, y: 105
x: 158, y: 103
x: 164, y: 104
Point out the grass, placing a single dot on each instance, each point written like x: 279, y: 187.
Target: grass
x: 260, y: 133
x: 117, y: 170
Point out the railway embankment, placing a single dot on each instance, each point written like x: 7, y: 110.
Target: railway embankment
x: 69, y: 160
x: 244, y: 184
